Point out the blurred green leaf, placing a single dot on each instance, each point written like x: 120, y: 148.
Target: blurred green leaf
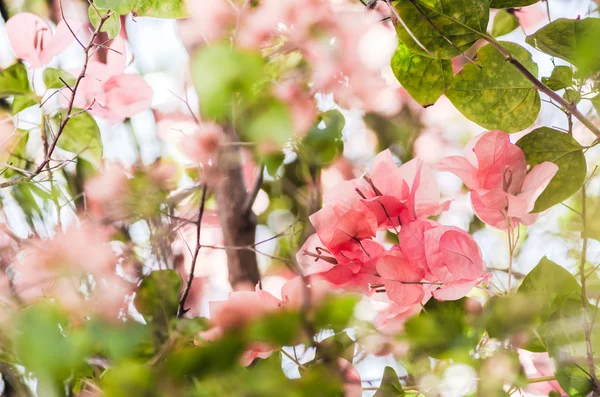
x: 390, y: 385
x: 425, y: 78
x: 269, y: 124
x: 495, y: 94
x: 112, y: 26
x: 442, y: 330
x: 511, y: 3
x: 129, y: 379
x: 338, y: 345
x: 561, y: 77
x: 16, y: 153
x: 44, y: 344
x: 81, y: 136
x: 323, y: 143
x: 279, y: 329
x: 504, y: 23
x: 335, y: 311
x: 146, y: 8
x: 397, y: 133
x: 461, y: 20
x: 52, y: 78
x: 223, y: 75
x: 574, y: 40
x: 157, y: 296
x: 546, y: 144
x: 511, y: 314
x: 14, y: 81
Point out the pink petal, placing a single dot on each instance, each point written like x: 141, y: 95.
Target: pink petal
x: 26, y: 33
x: 394, y: 266
x: 385, y: 174
x: 455, y: 291
x: 116, y: 59
x: 462, y: 255
x: 127, y: 95
x: 309, y: 264
x: 404, y: 294
x: 412, y: 241
x: 61, y: 40
x: 462, y: 168
x: 490, y: 207
x: 536, y: 181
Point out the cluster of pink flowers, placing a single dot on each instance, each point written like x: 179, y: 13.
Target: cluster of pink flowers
x: 105, y: 89
x: 430, y: 260
x: 503, y: 188
x: 346, y: 47
x: 242, y: 307
x: 78, y: 269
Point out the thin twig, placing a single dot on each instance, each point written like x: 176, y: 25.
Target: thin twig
x: 181, y: 310
x: 252, y: 194
x: 68, y: 114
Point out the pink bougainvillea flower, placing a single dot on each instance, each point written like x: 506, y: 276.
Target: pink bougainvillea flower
x: 401, y: 278
x: 341, y: 231
x: 112, y: 94
x: 538, y: 365
x: 453, y: 259
x: 201, y: 146
x: 33, y: 41
x: 503, y: 191
x: 351, y: 376
x: 391, y: 320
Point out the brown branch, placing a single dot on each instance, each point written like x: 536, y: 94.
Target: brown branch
x: 181, y: 310
x: 238, y: 225
x: 68, y: 114
x: 541, y: 87
x: 258, y: 182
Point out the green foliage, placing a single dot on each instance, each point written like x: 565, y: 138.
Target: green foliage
x: 44, y: 344
x: 157, y: 296
x: 146, y: 8
x: 429, y: 21
x: 335, y: 312
x: 224, y: 76
x: 52, y: 78
x: 425, y: 79
x: 511, y: 3
x: 268, y: 124
x: 548, y: 284
x: 23, y: 102
x: 561, y: 77
x: 112, y: 26
x: 16, y: 153
x: 14, y: 81
x: 338, y: 345
x: 390, y: 384
x: 280, y: 329
x: 523, y: 315
x: 81, y: 136
x: 547, y: 144
x: 129, y: 379
x: 504, y: 23
x: 323, y: 143
x: 496, y: 95
x: 574, y: 40
x: 443, y: 331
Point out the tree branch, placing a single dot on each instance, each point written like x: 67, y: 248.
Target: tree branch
x: 181, y: 310
x: 541, y: 87
x: 238, y: 225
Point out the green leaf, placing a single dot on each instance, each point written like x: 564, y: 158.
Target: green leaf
x: 157, y: 296
x: 220, y: 73
x: 269, y: 123
x: 561, y: 77
x: 323, y: 143
x: 390, y: 384
x: 567, y: 345
x: 335, y: 312
x: 510, y: 314
x: 52, y: 78
x: 338, y: 345
x: 279, y: 329
x: 23, y: 102
x: 547, y: 144
x: 461, y: 21
x: 504, y: 23
x: 129, y: 379
x: 14, y: 81
x: 112, y: 26
x: 548, y: 283
x: 574, y: 40
x: 511, y: 3
x: 457, y: 339
x: 44, y: 344
x: 497, y: 95
x: 16, y: 153
x: 425, y: 79
x: 81, y: 136
x: 596, y: 103
x: 146, y: 8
